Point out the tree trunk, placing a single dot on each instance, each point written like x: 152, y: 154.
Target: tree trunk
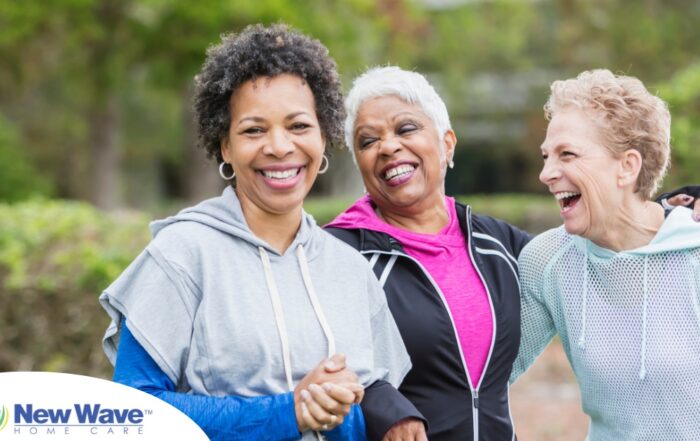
x: 105, y: 153
x: 200, y: 175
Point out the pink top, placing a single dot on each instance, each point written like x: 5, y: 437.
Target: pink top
x: 460, y: 284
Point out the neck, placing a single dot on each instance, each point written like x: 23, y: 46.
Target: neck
x: 428, y: 221
x: 633, y: 225
x: 279, y: 230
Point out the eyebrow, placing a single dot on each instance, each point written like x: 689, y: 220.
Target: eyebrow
x: 393, y: 118
x: 560, y: 146
x: 259, y: 119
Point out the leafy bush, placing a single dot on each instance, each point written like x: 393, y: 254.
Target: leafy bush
x: 55, y: 257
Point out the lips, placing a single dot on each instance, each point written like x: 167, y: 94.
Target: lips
x: 282, y: 176
x: 397, y: 173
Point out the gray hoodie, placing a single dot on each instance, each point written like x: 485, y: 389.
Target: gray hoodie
x: 221, y: 312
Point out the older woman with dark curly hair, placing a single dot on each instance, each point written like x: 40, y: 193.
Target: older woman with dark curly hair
x: 238, y: 309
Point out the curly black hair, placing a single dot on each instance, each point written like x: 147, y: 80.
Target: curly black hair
x: 265, y: 51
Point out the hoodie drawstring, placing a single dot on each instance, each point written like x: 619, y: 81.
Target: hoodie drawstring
x: 582, y: 336
x: 304, y: 266
x: 279, y: 315
x: 643, y: 366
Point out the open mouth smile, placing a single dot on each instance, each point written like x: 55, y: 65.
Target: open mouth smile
x: 398, y: 174
x: 281, y: 175
x: 567, y: 200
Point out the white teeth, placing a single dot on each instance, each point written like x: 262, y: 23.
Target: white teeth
x: 565, y: 194
x: 400, y: 170
x: 281, y: 174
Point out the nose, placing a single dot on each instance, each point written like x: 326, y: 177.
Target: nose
x: 279, y: 143
x: 390, y: 145
x: 550, y: 172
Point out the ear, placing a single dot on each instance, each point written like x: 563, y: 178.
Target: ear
x: 225, y: 149
x: 450, y: 140
x: 630, y: 166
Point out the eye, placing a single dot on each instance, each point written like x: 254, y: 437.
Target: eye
x: 567, y: 153
x: 406, y: 128
x: 254, y: 130
x: 300, y: 126
x: 364, y: 142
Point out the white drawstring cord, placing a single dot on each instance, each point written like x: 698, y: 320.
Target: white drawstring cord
x: 279, y: 314
x: 279, y: 317
x: 314, y: 300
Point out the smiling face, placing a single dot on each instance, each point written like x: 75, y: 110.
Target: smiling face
x: 274, y: 143
x: 582, y: 173
x: 400, y: 154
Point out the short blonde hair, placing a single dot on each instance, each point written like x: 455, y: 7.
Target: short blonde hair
x: 630, y: 116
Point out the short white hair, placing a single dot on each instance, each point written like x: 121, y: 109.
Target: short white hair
x: 411, y: 87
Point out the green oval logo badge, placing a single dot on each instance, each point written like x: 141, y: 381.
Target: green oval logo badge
x: 4, y: 417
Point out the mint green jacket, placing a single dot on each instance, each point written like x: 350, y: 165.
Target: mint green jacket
x: 629, y: 323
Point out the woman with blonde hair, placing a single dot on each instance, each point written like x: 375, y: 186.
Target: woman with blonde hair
x: 619, y: 282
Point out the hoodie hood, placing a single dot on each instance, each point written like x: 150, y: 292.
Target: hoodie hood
x: 224, y: 214
x: 678, y: 232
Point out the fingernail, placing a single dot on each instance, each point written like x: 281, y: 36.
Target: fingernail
x: 315, y: 387
x: 327, y: 387
x: 305, y: 394
x: 696, y: 217
x: 330, y: 364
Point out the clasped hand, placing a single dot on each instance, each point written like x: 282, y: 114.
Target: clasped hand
x: 323, y: 397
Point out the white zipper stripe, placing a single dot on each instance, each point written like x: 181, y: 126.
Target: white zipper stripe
x: 493, y: 319
x: 387, y: 270
x: 510, y: 414
x: 500, y: 244
x: 497, y: 253
x: 373, y: 260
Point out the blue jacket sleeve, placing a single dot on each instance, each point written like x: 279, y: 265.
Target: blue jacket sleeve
x: 269, y: 417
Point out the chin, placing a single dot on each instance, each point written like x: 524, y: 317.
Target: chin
x: 575, y: 228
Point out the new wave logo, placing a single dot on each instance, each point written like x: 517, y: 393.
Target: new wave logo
x: 37, y: 406
x: 4, y: 417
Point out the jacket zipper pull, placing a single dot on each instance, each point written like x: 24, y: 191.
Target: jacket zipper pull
x: 475, y: 399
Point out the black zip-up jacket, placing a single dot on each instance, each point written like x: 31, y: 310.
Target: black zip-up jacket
x: 438, y: 383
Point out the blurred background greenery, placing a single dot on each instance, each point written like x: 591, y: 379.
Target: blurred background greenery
x: 96, y: 134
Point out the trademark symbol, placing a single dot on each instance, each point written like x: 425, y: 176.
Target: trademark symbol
x: 148, y: 411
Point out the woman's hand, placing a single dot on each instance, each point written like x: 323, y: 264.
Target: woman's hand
x: 410, y: 429
x: 324, y: 396
x: 684, y: 200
